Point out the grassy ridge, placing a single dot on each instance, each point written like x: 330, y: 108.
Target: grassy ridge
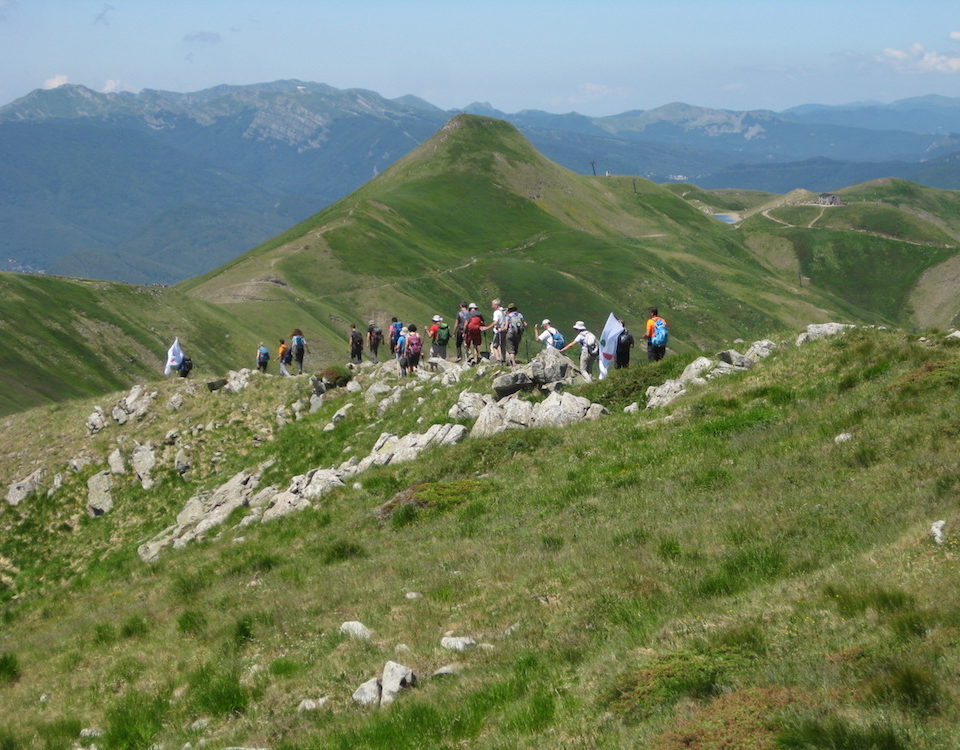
x: 733, y: 575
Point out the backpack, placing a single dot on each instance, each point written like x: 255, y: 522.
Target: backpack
x: 186, y: 364
x: 660, y: 335
x: 443, y: 334
x: 287, y: 357
x: 395, y: 329
x: 515, y: 326
x: 376, y: 336
x: 592, y: 349
x: 263, y: 356
x: 298, y: 344
x: 558, y: 341
x: 413, y: 344
x: 474, y: 322
x: 355, y: 338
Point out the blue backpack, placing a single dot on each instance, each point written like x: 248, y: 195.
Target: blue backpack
x: 659, y: 337
x: 558, y: 341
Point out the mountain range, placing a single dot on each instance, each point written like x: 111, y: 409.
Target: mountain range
x: 159, y: 186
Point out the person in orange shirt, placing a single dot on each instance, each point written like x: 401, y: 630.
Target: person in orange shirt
x: 656, y: 335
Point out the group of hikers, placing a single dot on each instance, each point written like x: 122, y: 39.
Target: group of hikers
x: 287, y: 354
x: 508, y: 326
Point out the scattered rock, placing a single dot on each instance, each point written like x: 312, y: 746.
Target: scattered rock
x: 115, y: 462
x: 143, y: 460
x: 19, y: 491
x: 469, y: 405
x: 368, y: 694
x: 99, y: 499
x: 631, y: 408
x: 412, y: 595
x: 96, y: 421
x: 310, y: 704
x: 181, y: 461
x: 395, y: 678
x: 843, y: 437
x: 448, y: 670
x: 356, y: 629
x: 822, y: 330
x: 457, y: 643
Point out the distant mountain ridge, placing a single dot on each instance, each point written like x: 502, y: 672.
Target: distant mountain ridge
x: 158, y: 186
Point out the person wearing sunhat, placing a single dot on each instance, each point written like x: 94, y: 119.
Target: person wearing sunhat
x: 514, y: 325
x: 548, y: 335
x: 589, y: 349
x: 432, y: 333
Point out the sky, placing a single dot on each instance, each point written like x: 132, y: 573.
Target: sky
x: 595, y: 57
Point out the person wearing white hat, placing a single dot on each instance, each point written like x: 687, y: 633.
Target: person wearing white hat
x: 432, y: 333
x: 550, y: 336
x: 589, y: 349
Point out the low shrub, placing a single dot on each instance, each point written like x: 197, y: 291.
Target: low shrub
x: 9, y: 668
x: 833, y: 732
x: 134, y: 721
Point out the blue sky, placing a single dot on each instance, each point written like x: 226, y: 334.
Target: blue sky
x: 596, y: 57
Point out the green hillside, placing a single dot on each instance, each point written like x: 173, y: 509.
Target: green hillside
x: 64, y: 338
x: 738, y: 575
x: 476, y: 212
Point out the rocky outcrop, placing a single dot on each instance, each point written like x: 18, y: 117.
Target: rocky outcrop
x: 555, y: 410
x: 383, y: 691
x: 142, y: 461
x: 469, y: 405
x: 822, y: 330
x: 202, y: 513
x: 547, y: 368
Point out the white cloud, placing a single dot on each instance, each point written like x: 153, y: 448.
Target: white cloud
x: 110, y: 86
x: 916, y: 58
x: 955, y: 36
x: 56, y: 81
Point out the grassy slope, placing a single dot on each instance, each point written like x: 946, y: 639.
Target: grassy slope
x: 724, y: 579
x: 64, y: 338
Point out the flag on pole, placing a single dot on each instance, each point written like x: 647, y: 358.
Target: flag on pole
x: 174, y: 357
x: 608, y: 344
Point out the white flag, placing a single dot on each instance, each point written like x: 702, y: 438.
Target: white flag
x: 174, y: 357
x: 608, y: 344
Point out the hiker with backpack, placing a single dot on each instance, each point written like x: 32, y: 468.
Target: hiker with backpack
x: 374, y: 339
x: 395, y: 328
x: 356, y: 345
x: 299, y: 344
x: 589, y: 349
x: 412, y: 348
x: 472, y: 334
x: 514, y: 326
x: 398, y: 352
x: 550, y: 336
x: 284, y: 357
x: 656, y: 335
x: 624, y: 344
x: 263, y: 356
x: 499, y: 331
x: 440, y: 333
x: 186, y: 364
x: 460, y: 328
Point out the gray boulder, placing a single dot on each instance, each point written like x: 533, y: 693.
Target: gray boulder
x: 469, y: 405
x: 96, y: 421
x: 822, y: 330
x: 143, y: 460
x: 99, y: 499
x: 395, y: 678
x: 356, y: 629
x: 115, y: 462
x: 735, y: 358
x: 19, y: 491
x: 512, y: 382
x: 457, y: 643
x: 368, y: 694
x: 760, y: 350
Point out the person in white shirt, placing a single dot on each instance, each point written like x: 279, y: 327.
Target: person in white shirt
x: 589, y: 349
x: 548, y: 333
x: 499, y: 331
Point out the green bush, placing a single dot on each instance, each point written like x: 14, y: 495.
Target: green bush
x: 134, y: 627
x: 834, y: 733
x: 134, y: 721
x: 215, y: 689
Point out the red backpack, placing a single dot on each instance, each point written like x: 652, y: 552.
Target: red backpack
x: 413, y: 343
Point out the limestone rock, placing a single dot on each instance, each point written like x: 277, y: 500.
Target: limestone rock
x: 395, y: 678
x: 631, y: 408
x: 283, y: 504
x: 143, y: 460
x: 18, y: 491
x: 99, y: 499
x: 238, y: 380
x: 760, y: 350
x: 735, y: 358
x: 511, y: 382
x: 356, y: 629
x: 175, y: 402
x: 469, y: 405
x: 311, y: 704
x: 822, y: 330
x: 181, y: 461
x: 115, y: 462
x: 368, y: 694
x: 96, y: 421
x: 457, y: 643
